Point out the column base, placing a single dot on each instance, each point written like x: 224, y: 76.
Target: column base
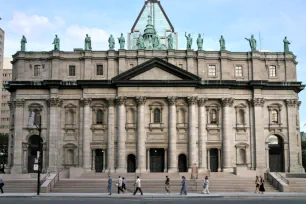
x: 165, y: 170
x: 219, y: 170
x: 141, y: 170
x: 121, y: 170
x: 16, y: 169
x: 203, y: 170
x: 228, y: 169
x: 172, y: 170
x: 112, y: 170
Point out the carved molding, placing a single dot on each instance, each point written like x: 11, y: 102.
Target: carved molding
x: 172, y: 100
x: 141, y: 100
x: 227, y: 102
x: 110, y: 102
x: 299, y: 104
x: 258, y: 102
x: 20, y: 102
x: 10, y: 104
x: 85, y: 101
x: 55, y: 102
x: 192, y: 100
x: 291, y: 102
x: 202, y: 101
x: 121, y: 100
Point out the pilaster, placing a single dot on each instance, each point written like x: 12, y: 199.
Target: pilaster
x: 110, y: 134
x: 172, y: 154
x: 87, y: 135
x: 193, y: 154
x: 141, y: 150
x: 202, y: 135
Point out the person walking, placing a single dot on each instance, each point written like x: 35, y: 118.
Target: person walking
x: 262, y: 187
x: 206, y: 185
x: 109, y: 186
x: 257, y: 184
x: 119, y: 184
x: 167, y: 185
x: 184, y: 186
x: 1, y: 185
x: 138, y: 186
x: 123, y: 184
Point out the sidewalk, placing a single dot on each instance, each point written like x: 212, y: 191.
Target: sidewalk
x: 158, y: 195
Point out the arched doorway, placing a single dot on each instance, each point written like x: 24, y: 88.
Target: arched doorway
x: 213, y: 160
x: 131, y: 163
x: 276, y: 154
x: 32, y: 152
x: 182, y: 163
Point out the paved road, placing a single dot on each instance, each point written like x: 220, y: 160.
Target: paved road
x: 147, y: 201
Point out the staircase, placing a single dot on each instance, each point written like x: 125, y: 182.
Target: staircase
x: 297, y: 184
x: 20, y: 186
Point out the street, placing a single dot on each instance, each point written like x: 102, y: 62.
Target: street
x: 148, y: 201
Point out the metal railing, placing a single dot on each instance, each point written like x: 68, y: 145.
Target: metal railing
x: 282, y: 178
x: 45, y: 178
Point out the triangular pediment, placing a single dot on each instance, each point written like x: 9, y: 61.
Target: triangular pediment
x: 156, y: 70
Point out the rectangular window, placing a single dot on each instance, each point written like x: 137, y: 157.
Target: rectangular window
x: 212, y: 70
x: 71, y: 70
x: 100, y: 70
x: 272, y: 71
x: 238, y: 71
x: 37, y: 70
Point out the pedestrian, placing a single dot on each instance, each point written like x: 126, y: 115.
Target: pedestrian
x: 1, y: 185
x: 138, y: 186
x: 119, y: 184
x: 206, y: 185
x: 257, y: 184
x: 262, y: 187
x: 184, y: 186
x: 109, y: 186
x: 123, y: 184
x: 167, y: 185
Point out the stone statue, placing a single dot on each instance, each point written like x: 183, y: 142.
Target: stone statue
x: 140, y: 42
x: 149, y: 20
x: 156, y: 42
x: 56, y: 43
x: 222, y: 43
x: 189, y: 41
x: 170, y: 42
x: 111, y: 42
x: 286, y: 45
x: 252, y: 42
x: 31, y: 119
x: 87, y: 42
x: 121, y: 41
x: 200, y: 42
x: 23, y: 44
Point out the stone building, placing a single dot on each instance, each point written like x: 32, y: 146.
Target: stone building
x: 164, y: 110
x: 5, y: 111
x: 2, y: 35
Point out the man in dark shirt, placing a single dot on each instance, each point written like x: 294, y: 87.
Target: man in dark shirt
x: 167, y: 185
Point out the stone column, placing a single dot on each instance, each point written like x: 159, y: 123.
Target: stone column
x: 25, y: 147
x: 193, y: 154
x: 294, y: 166
x: 202, y: 136
x: 227, y: 134
x: 45, y: 157
x: 54, y: 137
x: 104, y: 152
x: 208, y: 159
x: 148, y: 160
x: 93, y: 159
x: 87, y: 137
x: 141, y: 135
x: 18, y: 139
x: 166, y: 162
x: 219, y: 160
x: 267, y: 158
x: 258, y: 104
x: 286, y: 157
x: 121, y: 167
x: 172, y: 135
x: 110, y: 134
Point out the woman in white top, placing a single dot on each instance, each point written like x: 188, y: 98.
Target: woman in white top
x: 206, y: 185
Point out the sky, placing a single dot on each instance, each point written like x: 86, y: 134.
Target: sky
x: 40, y: 20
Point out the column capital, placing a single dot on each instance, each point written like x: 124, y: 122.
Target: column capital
x: 85, y: 101
x: 172, y: 100
x: 291, y: 102
x: 121, y: 100
x: 202, y: 101
x: 20, y: 102
x: 227, y: 102
x: 259, y: 102
x: 192, y: 100
x: 54, y: 102
x: 10, y: 104
x: 299, y: 104
x: 141, y: 100
x: 110, y: 102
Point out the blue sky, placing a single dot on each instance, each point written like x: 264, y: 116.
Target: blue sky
x: 234, y: 19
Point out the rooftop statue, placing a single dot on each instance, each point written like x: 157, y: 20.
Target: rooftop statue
x: 156, y: 41
x: 200, y: 42
x: 170, y: 42
x: 189, y: 41
x: 140, y: 42
x: 252, y: 42
x: 222, y: 43
x: 23, y: 44
x: 286, y: 45
x: 111, y: 42
x: 121, y: 41
x: 56, y: 43
x: 149, y: 20
x: 87, y: 43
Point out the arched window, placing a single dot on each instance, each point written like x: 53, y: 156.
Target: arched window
x: 274, y: 116
x: 213, y: 116
x: 241, y: 117
x: 99, y: 117
x: 272, y: 71
x: 157, y: 115
x: 37, y: 117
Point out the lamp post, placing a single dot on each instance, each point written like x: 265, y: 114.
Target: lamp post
x: 38, y: 126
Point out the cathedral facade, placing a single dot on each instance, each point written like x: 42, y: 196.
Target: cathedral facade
x: 155, y: 110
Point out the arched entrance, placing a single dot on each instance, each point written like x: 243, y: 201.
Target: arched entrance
x: 182, y: 163
x: 32, y: 152
x: 131, y: 163
x: 276, y: 154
